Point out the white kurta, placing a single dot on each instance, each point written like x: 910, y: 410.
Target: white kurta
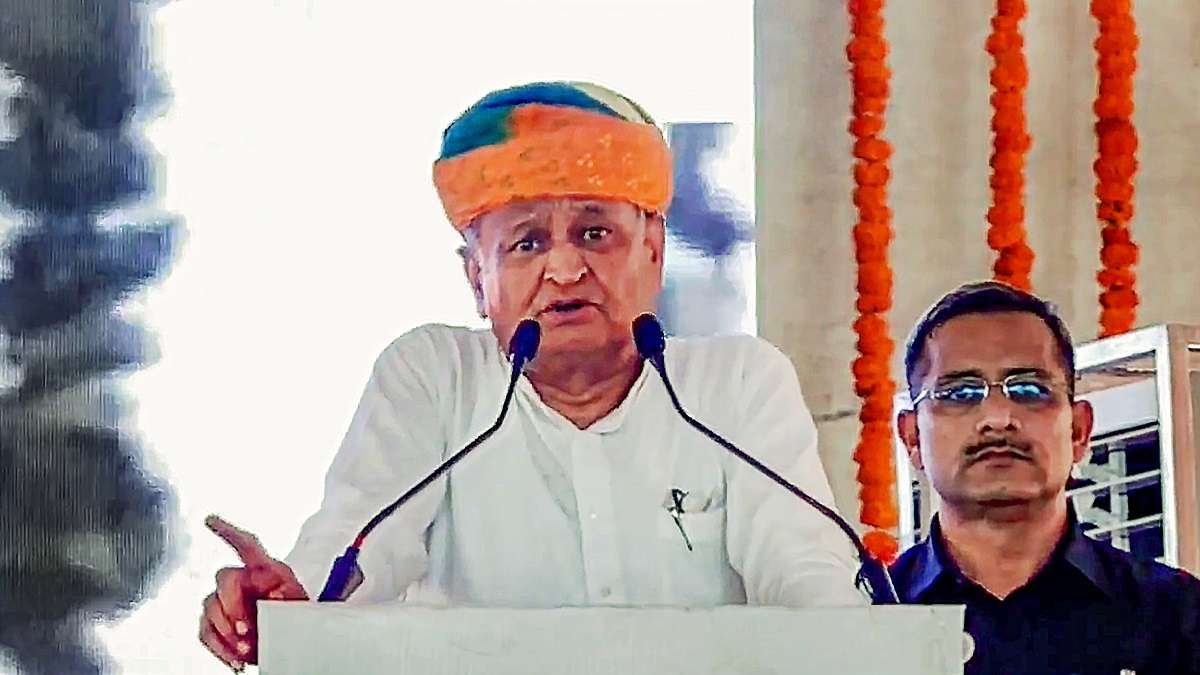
x: 544, y: 514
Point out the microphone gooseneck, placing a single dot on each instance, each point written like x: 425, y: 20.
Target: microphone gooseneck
x: 651, y: 343
x: 345, y: 575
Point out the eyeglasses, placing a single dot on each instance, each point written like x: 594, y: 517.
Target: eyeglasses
x: 1021, y: 388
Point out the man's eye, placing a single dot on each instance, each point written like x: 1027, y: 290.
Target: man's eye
x: 963, y: 392
x: 524, y: 246
x: 1029, y: 391
x: 595, y: 233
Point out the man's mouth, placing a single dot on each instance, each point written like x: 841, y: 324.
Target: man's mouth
x: 999, y: 453
x: 565, y: 306
x: 999, y: 449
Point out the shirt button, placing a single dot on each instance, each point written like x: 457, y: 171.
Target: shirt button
x: 592, y: 516
x: 605, y: 592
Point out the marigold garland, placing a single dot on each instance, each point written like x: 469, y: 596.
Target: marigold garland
x: 873, y: 383
x: 1010, y: 143
x: 1116, y: 164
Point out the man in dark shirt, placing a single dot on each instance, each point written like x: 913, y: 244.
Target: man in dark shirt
x: 996, y: 427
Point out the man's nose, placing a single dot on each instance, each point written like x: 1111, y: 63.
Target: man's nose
x: 997, y: 413
x: 564, y: 264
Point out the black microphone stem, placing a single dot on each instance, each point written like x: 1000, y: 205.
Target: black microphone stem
x: 444, y: 466
x: 875, y: 571
x: 345, y: 572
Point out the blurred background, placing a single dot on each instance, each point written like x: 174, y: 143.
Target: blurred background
x: 215, y: 213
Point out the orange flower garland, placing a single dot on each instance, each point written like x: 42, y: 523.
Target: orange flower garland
x: 872, y: 235
x: 1116, y: 165
x: 1011, y: 142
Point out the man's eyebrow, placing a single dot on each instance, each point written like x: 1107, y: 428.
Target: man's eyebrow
x: 958, y: 374
x: 974, y: 372
x: 520, y: 221
x: 1027, y: 370
x: 595, y: 209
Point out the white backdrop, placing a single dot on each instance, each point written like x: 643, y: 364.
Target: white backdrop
x: 298, y: 146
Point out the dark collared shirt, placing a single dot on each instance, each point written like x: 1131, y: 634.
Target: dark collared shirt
x: 1092, y: 610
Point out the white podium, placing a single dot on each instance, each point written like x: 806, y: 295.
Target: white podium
x: 309, y: 637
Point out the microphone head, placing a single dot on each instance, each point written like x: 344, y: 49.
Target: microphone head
x: 523, y: 345
x: 648, y: 336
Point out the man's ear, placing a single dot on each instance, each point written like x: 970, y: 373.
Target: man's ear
x: 472, y: 271
x: 1082, y: 421
x: 906, y: 425
x: 656, y: 236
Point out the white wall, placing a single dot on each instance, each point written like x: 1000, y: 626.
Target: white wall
x: 298, y: 148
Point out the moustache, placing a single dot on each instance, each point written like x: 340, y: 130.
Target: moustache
x: 1014, y: 446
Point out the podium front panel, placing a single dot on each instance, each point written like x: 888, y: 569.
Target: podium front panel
x: 307, y: 637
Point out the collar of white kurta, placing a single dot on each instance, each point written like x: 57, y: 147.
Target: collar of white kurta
x: 607, y: 424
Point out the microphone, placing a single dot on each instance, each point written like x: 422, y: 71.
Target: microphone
x: 651, y: 343
x: 346, y: 575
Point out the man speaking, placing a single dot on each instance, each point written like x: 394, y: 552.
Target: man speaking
x: 593, y: 491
